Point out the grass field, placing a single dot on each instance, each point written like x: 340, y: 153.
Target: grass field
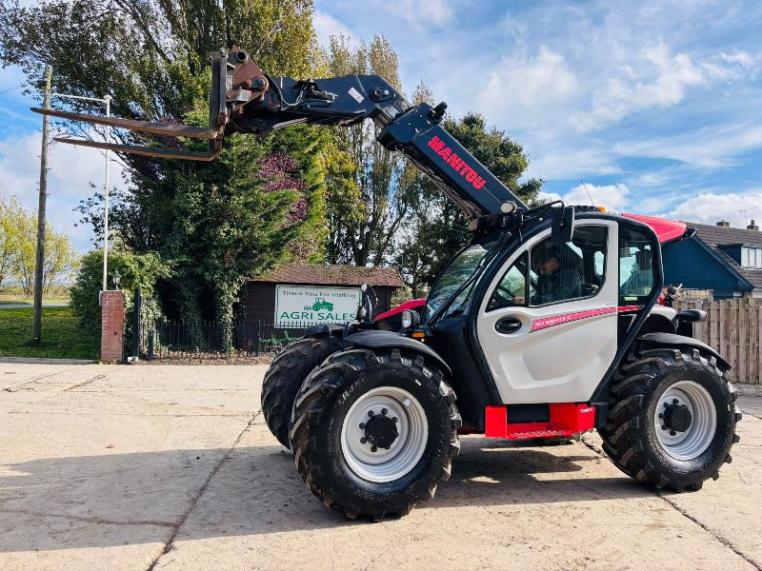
x: 13, y: 295
x: 61, y: 337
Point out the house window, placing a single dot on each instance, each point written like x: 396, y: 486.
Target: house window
x: 751, y: 257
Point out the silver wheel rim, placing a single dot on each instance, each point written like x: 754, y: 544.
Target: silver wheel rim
x: 694, y: 441
x: 385, y: 465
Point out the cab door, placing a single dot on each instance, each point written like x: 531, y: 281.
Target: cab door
x: 548, y: 324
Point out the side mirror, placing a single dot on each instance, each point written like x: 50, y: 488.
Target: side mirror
x: 365, y: 307
x: 563, y: 225
x: 410, y: 319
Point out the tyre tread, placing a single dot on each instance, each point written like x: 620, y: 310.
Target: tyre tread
x: 624, y: 440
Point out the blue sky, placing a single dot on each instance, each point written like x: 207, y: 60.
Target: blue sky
x: 655, y: 106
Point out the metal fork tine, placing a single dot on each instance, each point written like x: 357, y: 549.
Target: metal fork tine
x: 165, y: 129
x: 145, y: 151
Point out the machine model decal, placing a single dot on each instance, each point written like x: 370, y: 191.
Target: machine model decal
x: 457, y: 163
x: 553, y: 320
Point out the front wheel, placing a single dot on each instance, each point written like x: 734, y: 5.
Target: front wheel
x: 375, y: 432
x: 672, y: 420
x: 284, y: 377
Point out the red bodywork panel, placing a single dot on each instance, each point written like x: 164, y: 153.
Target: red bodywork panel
x: 666, y: 230
x: 566, y: 419
x: 413, y: 305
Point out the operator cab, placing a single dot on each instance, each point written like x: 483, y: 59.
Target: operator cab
x: 542, y: 321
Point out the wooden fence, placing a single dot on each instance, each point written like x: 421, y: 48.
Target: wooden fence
x: 733, y: 327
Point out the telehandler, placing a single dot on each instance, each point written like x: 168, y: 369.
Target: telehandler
x: 544, y: 326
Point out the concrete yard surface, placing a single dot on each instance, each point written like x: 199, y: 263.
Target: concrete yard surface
x: 172, y: 467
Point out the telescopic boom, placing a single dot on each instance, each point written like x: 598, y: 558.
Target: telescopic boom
x: 244, y: 99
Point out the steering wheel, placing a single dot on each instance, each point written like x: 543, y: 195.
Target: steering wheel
x: 502, y: 297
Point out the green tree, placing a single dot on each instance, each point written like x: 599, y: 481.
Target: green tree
x: 137, y: 272
x: 150, y: 55
x: 257, y: 199
x: 18, y: 249
x: 9, y: 209
x: 363, y: 209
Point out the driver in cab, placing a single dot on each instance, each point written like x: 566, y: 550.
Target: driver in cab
x: 555, y: 282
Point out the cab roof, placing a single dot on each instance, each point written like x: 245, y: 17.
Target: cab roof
x: 666, y: 230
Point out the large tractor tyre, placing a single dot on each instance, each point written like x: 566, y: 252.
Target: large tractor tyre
x: 672, y: 420
x: 284, y: 377
x: 374, y: 432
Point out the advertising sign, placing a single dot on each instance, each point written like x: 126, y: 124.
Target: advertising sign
x: 295, y: 304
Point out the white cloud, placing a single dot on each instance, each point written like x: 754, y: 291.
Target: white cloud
x: 708, y: 148
x: 710, y: 207
x: 612, y: 196
x: 71, y: 171
x: 554, y: 161
x: 521, y: 88
x: 327, y: 26
x: 661, y: 82
x: 420, y: 15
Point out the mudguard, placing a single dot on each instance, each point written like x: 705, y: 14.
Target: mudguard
x: 325, y: 330
x: 673, y: 340
x: 380, y: 339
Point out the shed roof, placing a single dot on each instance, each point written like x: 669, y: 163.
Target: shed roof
x: 317, y: 274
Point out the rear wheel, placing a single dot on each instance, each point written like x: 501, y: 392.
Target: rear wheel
x: 284, y: 377
x: 672, y: 419
x: 375, y: 432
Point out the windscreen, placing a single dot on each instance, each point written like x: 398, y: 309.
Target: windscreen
x: 453, y: 277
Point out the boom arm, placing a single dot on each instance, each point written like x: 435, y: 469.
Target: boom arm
x: 244, y: 99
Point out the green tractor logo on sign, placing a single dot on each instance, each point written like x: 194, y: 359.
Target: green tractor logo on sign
x: 320, y: 305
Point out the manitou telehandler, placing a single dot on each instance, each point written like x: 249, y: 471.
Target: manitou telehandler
x: 545, y: 326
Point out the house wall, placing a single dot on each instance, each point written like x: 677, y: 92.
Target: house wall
x: 733, y: 251
x: 260, y: 302
x: 688, y: 262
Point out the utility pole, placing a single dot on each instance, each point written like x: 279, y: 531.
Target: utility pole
x: 41, y: 208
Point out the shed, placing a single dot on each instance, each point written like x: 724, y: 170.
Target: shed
x: 298, y: 294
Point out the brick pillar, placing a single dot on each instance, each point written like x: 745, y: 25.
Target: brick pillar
x: 112, y: 326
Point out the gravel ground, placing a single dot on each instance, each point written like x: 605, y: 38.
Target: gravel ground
x: 137, y: 467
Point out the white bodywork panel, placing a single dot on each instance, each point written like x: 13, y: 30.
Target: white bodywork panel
x: 560, y: 363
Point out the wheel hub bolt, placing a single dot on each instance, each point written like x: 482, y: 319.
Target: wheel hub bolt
x: 384, y: 411
x: 363, y: 440
x: 373, y: 449
x: 675, y: 401
x: 371, y: 413
x: 677, y: 418
x: 395, y: 419
x: 362, y: 425
x: 664, y: 427
x: 661, y: 415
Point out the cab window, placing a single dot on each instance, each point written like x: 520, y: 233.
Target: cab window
x: 553, y: 273
x: 636, y: 267
x: 512, y: 289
